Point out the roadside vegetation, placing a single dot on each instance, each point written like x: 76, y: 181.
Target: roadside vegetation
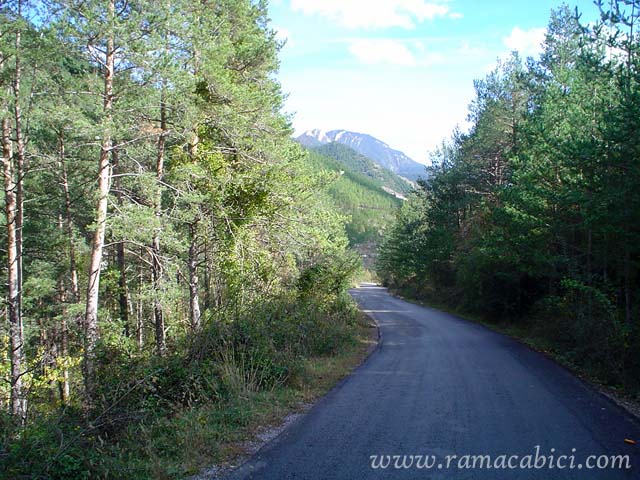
x: 176, y: 270
x: 531, y: 218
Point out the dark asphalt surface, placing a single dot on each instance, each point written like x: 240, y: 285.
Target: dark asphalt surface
x: 439, y: 385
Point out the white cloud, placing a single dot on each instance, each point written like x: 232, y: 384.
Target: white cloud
x: 283, y: 35
x: 412, y: 113
x: 373, y: 13
x: 382, y: 50
x: 526, y: 42
x: 455, y: 15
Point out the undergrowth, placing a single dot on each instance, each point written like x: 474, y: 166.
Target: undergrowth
x: 166, y: 418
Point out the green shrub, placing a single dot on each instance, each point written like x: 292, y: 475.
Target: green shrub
x: 141, y: 412
x: 585, y: 325
x: 329, y: 276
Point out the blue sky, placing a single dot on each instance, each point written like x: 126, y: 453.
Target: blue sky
x: 400, y: 70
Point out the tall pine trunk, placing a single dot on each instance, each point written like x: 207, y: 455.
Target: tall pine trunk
x: 68, y: 223
x: 194, y: 296
x: 16, y: 344
x: 123, y: 290
x: 61, y: 339
x: 64, y: 352
x: 139, y: 312
x: 67, y: 226
x: 156, y: 267
x: 97, y: 245
x: 20, y: 157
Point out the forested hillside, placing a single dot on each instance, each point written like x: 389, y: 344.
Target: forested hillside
x: 369, y: 210
x: 171, y: 259
x: 533, y: 216
x: 358, y: 163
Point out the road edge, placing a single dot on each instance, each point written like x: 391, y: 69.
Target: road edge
x: 630, y: 406
x: 268, y: 435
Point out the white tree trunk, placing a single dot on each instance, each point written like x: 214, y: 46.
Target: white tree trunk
x: 194, y: 296
x: 16, y: 344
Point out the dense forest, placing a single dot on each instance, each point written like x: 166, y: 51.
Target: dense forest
x: 533, y: 216
x: 168, y: 250
x: 358, y: 192
x: 358, y: 163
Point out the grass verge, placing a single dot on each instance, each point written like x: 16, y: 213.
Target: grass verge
x: 221, y: 434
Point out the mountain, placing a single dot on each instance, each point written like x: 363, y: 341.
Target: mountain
x: 370, y: 147
x: 369, y: 207
x: 313, y: 138
x: 358, y: 163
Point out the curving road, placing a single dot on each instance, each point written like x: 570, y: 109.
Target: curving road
x: 440, y: 386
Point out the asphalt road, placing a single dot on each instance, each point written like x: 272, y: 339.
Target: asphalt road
x: 440, y: 386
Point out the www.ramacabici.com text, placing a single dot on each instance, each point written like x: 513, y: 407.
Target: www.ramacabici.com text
x: 537, y: 460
